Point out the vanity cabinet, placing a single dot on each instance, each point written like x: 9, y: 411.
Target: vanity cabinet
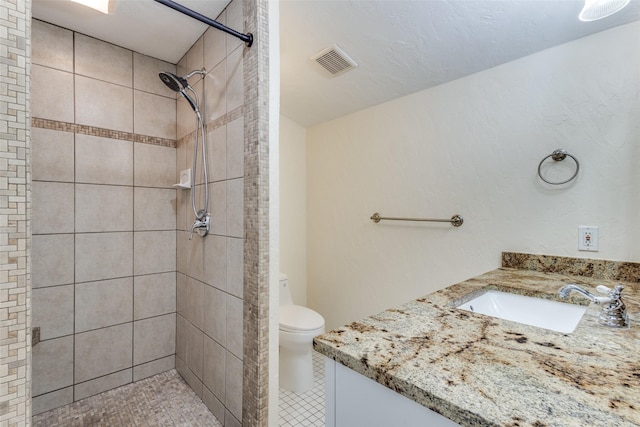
x: 353, y: 400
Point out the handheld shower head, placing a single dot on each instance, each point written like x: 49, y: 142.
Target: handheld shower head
x: 179, y: 84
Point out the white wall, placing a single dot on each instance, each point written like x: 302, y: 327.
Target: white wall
x: 293, y: 207
x: 472, y: 147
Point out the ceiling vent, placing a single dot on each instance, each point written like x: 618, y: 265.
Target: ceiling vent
x: 334, y: 60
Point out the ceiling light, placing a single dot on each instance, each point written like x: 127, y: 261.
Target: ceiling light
x: 598, y: 9
x: 99, y: 5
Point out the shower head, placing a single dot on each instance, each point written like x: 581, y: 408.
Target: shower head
x: 173, y: 82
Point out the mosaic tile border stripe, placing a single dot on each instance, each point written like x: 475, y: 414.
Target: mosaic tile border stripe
x: 585, y: 267
x: 101, y: 132
x: 214, y: 124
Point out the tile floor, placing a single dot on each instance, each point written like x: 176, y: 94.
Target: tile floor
x: 305, y: 409
x: 163, y: 400
x: 166, y: 400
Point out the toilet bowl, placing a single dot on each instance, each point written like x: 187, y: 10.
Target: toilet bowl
x: 298, y: 326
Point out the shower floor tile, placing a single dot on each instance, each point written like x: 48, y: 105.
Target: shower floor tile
x: 305, y: 409
x: 162, y: 400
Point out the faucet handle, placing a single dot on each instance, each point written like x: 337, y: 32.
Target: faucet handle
x: 614, y: 293
x: 613, y: 314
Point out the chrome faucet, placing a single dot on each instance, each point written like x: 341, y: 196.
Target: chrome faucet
x: 614, y: 312
x: 202, y: 224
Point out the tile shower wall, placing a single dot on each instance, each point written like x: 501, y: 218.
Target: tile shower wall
x: 104, y: 216
x: 209, y: 346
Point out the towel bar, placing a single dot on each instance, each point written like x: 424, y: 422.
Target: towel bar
x: 455, y: 220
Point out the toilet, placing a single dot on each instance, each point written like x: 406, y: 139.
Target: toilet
x: 298, y: 326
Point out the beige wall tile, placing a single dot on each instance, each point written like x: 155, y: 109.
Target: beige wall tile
x: 234, y: 326
x: 195, y: 350
x: 235, y: 80
x: 233, y: 385
x: 235, y: 148
x: 145, y: 75
x: 51, y: 400
x: 195, y: 56
x: 235, y: 20
x: 195, y: 257
x: 183, y: 209
x: 215, y: 315
x: 51, y: 94
x: 98, y: 385
x: 103, y: 61
x: 103, y: 303
x: 102, y: 208
x: 217, y: 150
x: 52, y: 365
x: 52, y: 209
x: 102, y: 256
x: 154, y: 115
x: 52, y: 155
x: 214, y: 405
x: 103, y: 352
x: 190, y: 378
x: 154, y: 295
x: 155, y: 209
x: 185, y: 118
x: 181, y: 337
x: 215, y: 261
x: 230, y: 420
x: 53, y: 311
x: 154, y: 338
x: 218, y: 207
x: 149, y: 369
x: 214, y: 367
x: 155, y: 252
x: 215, y: 49
x: 52, y: 258
x: 104, y: 105
x: 103, y: 160
x: 235, y: 202
x: 182, y: 256
x: 155, y: 166
x: 194, y: 310
x: 235, y: 264
x: 52, y: 46
x: 183, y: 160
x: 181, y: 294
x: 216, y: 90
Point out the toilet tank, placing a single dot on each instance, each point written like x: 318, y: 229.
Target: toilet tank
x: 285, y: 294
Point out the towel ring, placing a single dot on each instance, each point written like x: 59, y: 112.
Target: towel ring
x: 558, y: 155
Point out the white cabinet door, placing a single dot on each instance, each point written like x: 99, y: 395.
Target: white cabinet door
x: 354, y: 400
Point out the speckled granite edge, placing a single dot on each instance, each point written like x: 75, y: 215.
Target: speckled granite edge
x: 583, y: 267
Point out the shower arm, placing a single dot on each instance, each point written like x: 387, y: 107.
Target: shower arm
x: 247, y: 38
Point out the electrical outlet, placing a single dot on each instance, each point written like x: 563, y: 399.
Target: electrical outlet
x: 588, y: 238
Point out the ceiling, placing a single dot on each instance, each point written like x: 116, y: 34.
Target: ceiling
x: 400, y: 46
x: 144, y: 26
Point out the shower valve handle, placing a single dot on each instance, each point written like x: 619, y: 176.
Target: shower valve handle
x: 202, y: 225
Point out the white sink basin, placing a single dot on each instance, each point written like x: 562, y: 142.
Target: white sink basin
x: 547, y: 314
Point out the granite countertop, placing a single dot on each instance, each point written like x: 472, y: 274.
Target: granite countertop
x: 482, y: 371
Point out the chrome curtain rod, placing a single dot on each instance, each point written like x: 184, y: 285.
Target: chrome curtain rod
x: 247, y: 38
x: 455, y: 220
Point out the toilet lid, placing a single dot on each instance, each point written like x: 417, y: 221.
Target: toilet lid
x: 299, y: 318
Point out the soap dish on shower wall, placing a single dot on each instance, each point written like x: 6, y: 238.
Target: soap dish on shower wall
x: 185, y: 180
